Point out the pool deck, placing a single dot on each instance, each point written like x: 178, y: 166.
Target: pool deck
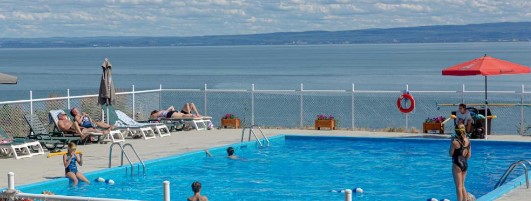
x: 96, y: 156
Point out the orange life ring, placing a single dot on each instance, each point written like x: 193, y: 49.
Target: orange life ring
x: 407, y: 97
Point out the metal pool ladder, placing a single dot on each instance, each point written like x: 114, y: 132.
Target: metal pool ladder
x: 251, y: 131
x: 510, y: 169
x: 127, y: 157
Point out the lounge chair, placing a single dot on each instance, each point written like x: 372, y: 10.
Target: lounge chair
x: 48, y: 139
x: 53, y: 118
x: 199, y: 123
x: 132, y: 130
x: 160, y: 128
x: 19, y: 147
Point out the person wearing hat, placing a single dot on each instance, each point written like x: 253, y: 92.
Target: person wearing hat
x: 70, y: 162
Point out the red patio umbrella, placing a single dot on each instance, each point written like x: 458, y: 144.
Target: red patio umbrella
x: 486, y: 66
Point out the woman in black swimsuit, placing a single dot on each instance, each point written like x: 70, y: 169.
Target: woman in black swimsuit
x: 460, y: 153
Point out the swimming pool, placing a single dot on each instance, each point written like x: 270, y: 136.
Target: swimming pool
x: 308, y: 168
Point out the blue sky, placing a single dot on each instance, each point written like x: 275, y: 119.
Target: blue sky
x: 71, y: 18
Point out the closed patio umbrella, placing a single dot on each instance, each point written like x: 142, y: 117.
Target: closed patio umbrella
x: 106, y: 93
x: 7, y: 79
x: 486, y: 66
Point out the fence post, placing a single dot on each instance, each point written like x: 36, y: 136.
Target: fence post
x: 463, y: 94
x: 31, y: 102
x: 160, y: 96
x: 352, y: 106
x: 205, y: 99
x: 11, y: 181
x: 252, y: 104
x: 407, y: 114
x: 68, y: 98
x: 134, y: 114
x: 301, y: 124
x: 348, y: 195
x: 166, y: 185
x: 522, y: 131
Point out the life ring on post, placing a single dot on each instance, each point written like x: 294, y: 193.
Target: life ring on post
x: 402, y: 99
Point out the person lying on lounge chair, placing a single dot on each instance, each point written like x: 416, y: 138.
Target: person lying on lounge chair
x: 188, y: 110
x: 64, y: 124
x: 84, y: 120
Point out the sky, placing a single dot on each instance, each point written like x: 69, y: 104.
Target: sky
x: 82, y: 18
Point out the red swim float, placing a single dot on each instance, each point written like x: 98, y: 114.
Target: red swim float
x: 403, y: 99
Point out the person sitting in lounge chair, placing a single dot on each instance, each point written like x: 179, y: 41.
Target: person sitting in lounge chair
x: 188, y: 110
x: 64, y: 124
x: 84, y: 120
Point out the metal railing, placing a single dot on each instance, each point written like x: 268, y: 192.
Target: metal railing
x: 297, y: 108
x: 511, y: 169
x: 12, y: 194
x: 258, y: 140
x: 122, y: 147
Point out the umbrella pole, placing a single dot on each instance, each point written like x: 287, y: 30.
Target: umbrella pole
x: 486, y: 109
x: 108, y: 118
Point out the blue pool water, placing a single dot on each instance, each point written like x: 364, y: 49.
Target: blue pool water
x: 307, y: 168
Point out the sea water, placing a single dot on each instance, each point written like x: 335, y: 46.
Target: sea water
x: 50, y: 71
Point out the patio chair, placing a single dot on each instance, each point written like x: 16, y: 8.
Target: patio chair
x: 52, y: 115
x: 19, y: 147
x: 160, y: 128
x: 198, y: 123
x: 48, y: 139
x: 131, y: 130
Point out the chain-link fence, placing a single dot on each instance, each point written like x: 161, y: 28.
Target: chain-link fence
x: 358, y: 110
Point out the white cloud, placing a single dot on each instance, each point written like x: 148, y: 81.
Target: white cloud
x: 235, y: 12
x: 23, y: 16
x: 136, y: 1
x: 213, y: 17
x: 395, y: 7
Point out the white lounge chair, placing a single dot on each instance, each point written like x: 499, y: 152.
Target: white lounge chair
x: 117, y: 138
x: 160, y: 129
x: 19, y: 148
x: 131, y: 130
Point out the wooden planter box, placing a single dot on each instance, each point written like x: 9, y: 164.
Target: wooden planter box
x: 331, y: 124
x: 433, y: 126
x: 230, y: 123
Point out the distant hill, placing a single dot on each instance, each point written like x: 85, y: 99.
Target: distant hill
x: 490, y: 32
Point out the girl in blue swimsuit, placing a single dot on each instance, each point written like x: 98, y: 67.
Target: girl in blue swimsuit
x: 460, y: 153
x: 70, y: 161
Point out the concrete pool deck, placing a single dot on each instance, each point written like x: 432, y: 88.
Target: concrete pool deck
x: 96, y: 156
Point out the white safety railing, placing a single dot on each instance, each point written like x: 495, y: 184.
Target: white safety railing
x: 12, y: 194
x: 353, y: 109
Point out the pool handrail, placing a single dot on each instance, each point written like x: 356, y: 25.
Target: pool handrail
x: 510, y: 169
x: 251, y: 131
x: 126, y: 156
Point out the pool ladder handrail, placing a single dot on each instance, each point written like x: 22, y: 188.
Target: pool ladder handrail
x: 126, y: 156
x: 510, y: 169
x: 251, y: 131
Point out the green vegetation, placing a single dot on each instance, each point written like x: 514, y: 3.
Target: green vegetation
x: 490, y: 32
